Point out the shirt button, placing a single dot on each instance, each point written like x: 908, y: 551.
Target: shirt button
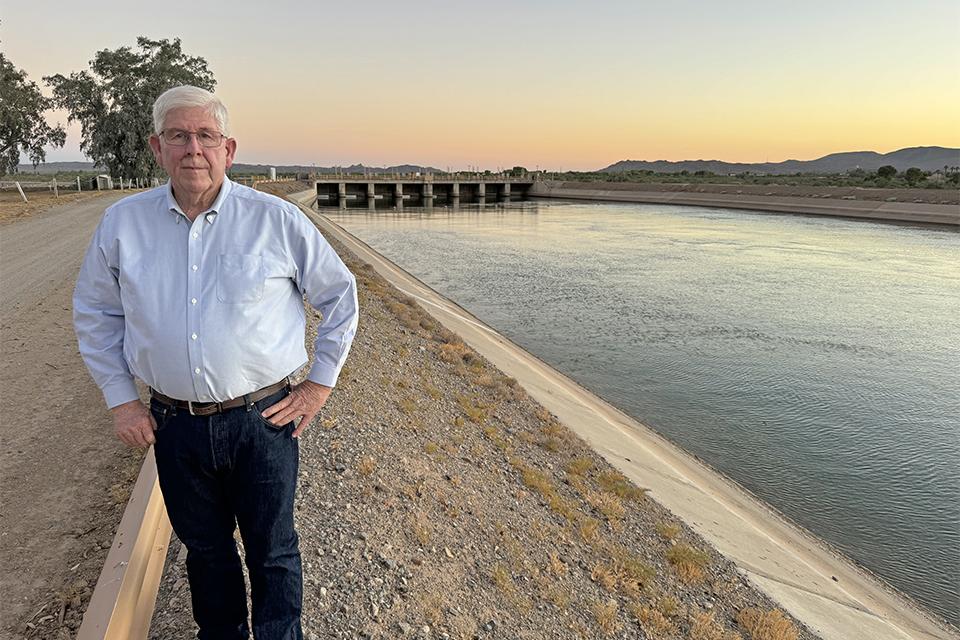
x: 193, y: 337
x: 197, y: 370
x: 196, y: 235
x: 193, y: 301
x: 194, y: 267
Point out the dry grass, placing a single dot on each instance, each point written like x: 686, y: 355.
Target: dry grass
x: 766, y: 625
x: 703, y: 626
x: 605, y: 614
x: 421, y: 529
x: 653, y: 622
x: 589, y: 529
x: 608, y: 504
x: 555, y: 565
x: 432, y: 604
x: 407, y: 405
x: 431, y: 448
x: 617, y: 483
x: 579, y: 466
x: 475, y: 410
x: 668, y: 531
x: 689, y: 563
x: 502, y: 579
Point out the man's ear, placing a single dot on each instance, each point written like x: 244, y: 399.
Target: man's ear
x: 155, y: 147
x: 231, y: 146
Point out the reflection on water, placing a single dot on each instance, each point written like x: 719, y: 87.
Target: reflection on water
x: 814, y: 360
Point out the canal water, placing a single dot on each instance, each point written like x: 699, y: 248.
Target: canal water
x: 816, y: 361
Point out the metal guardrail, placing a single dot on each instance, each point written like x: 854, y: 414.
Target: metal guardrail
x: 123, y: 601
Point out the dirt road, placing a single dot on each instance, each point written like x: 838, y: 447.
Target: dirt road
x: 63, y: 475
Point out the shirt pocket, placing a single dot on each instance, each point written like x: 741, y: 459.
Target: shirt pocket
x: 239, y: 278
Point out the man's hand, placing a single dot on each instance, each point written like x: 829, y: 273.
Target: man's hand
x: 304, y: 401
x: 134, y: 424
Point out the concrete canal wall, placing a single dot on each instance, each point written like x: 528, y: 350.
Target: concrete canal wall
x: 848, y: 207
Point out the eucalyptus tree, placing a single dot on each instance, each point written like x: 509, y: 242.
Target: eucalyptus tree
x: 113, y: 100
x: 23, y: 127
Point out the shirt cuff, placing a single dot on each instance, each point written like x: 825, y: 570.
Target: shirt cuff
x: 323, y: 374
x: 121, y: 392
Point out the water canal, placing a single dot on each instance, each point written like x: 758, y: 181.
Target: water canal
x: 813, y: 360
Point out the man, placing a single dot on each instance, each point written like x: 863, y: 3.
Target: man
x: 196, y: 288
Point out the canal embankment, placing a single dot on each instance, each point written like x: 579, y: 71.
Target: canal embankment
x: 824, y: 590
x: 927, y: 206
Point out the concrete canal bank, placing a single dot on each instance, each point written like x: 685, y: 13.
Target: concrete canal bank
x: 756, y: 199
x: 822, y: 589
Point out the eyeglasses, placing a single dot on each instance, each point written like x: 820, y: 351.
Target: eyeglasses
x: 180, y: 138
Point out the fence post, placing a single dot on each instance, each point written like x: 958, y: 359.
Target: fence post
x: 78, y: 184
x: 21, y: 192
x: 56, y: 191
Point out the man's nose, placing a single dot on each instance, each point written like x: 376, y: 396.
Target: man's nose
x: 193, y: 144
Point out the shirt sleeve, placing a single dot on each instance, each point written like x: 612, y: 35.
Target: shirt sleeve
x: 99, y: 322
x: 331, y: 289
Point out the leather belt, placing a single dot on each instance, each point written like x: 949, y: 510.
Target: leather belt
x: 212, y: 408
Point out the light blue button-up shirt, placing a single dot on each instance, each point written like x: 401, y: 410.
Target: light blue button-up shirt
x: 209, y: 310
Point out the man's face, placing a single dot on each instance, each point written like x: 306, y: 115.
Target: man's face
x: 193, y: 169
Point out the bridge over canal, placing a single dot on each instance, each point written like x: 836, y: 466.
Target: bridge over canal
x: 419, y: 191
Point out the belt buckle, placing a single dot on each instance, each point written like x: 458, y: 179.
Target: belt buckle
x: 190, y: 407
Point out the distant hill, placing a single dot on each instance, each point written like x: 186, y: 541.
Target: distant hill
x: 240, y: 168
x: 926, y: 158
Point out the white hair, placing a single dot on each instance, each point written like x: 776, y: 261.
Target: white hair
x: 188, y: 96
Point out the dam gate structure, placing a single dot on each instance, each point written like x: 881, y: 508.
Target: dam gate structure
x: 418, y: 191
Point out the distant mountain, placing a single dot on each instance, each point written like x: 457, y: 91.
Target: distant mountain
x: 241, y: 169
x: 926, y: 158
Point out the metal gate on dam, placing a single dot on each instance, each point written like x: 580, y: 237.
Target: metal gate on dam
x: 395, y: 193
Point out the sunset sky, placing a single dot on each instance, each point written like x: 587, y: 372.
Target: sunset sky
x: 572, y: 85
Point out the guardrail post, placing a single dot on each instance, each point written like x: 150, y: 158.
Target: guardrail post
x: 56, y: 191
x: 21, y: 192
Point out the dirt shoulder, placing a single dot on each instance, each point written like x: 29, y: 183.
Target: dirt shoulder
x: 65, y: 477
x: 14, y: 209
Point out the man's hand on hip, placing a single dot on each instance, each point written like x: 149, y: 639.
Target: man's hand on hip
x: 134, y: 424
x: 304, y: 401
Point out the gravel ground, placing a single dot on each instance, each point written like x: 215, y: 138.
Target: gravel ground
x: 437, y: 500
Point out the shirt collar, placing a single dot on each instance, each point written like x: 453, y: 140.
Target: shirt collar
x: 211, y: 213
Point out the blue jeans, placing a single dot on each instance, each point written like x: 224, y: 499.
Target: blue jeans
x: 224, y: 471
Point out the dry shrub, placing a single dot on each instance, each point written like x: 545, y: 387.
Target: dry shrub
x: 704, y: 627
x: 555, y: 565
x: 603, y: 574
x: 669, y: 606
x: 617, y: 483
x: 766, y: 625
x: 689, y: 563
x: 431, y: 390
x: 453, y: 352
x: 366, y: 466
x: 606, y: 616
x: 431, y: 448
